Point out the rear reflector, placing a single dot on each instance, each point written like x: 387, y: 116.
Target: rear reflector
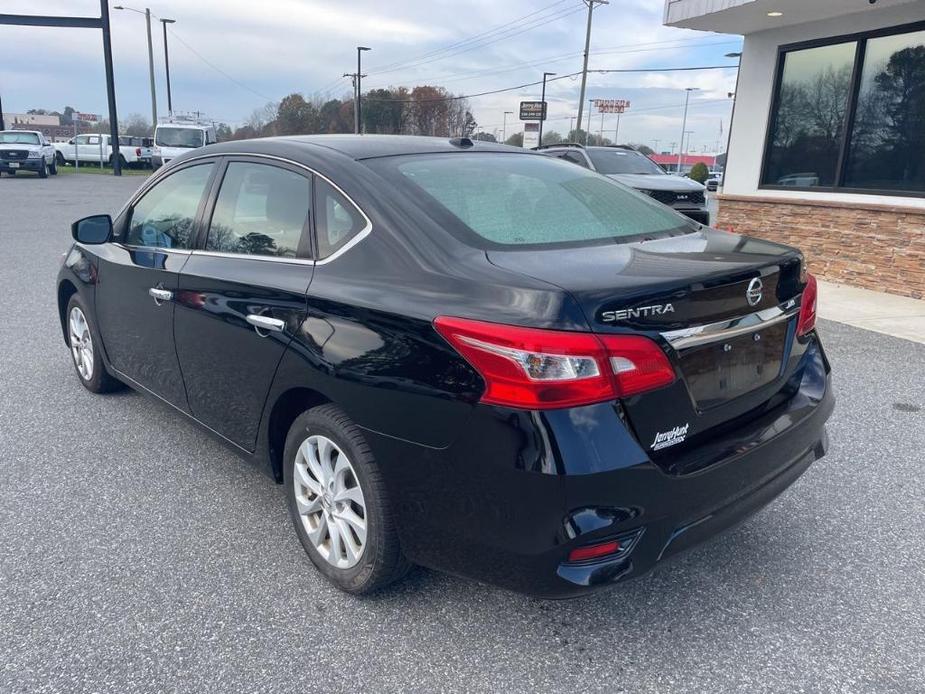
x: 808, y: 306
x: 594, y: 551
x: 532, y: 368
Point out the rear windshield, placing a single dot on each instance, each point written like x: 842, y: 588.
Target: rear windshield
x: 622, y: 161
x: 508, y: 200
x: 19, y: 139
x: 178, y: 137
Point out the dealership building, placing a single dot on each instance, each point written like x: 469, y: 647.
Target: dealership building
x: 827, y: 145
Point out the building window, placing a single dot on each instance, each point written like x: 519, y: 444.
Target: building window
x: 850, y: 114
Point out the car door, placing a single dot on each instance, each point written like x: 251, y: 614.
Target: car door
x: 241, y: 296
x: 138, y: 279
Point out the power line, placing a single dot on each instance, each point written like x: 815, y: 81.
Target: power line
x: 533, y: 84
x: 508, y: 34
x: 475, y: 37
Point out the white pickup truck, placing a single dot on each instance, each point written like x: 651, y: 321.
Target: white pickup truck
x: 26, y: 150
x: 94, y: 149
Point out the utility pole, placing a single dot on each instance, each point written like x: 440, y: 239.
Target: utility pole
x: 504, y: 126
x: 602, y: 127
x: 543, y: 102
x: 147, y: 14
x: 360, y: 76
x: 584, y: 69
x: 165, y: 22
x: 571, y: 124
x: 687, y: 97
x: 656, y: 145
x: 616, y: 133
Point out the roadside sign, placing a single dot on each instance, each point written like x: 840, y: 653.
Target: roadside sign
x: 87, y: 117
x: 531, y: 135
x: 532, y: 110
x: 611, y: 105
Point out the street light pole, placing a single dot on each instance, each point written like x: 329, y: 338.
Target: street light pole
x: 147, y: 14
x: 504, y: 127
x: 543, y: 107
x: 356, y: 108
x: 732, y: 115
x: 584, y: 69
x: 687, y: 96
x: 165, y: 22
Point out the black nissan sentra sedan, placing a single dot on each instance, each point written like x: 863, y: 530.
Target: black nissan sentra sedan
x: 458, y: 354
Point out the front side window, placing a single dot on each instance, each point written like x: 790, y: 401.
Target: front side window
x: 623, y: 161
x: 888, y: 139
x: 811, y: 115
x: 527, y: 200
x: 337, y: 220
x: 261, y: 210
x: 165, y: 217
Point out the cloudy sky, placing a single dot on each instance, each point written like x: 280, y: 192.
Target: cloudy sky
x: 229, y: 57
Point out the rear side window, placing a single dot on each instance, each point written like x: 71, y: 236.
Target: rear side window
x: 261, y: 210
x: 529, y: 200
x: 337, y: 219
x: 575, y: 158
x: 165, y: 216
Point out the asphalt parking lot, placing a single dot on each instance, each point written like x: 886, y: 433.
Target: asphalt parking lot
x: 137, y: 555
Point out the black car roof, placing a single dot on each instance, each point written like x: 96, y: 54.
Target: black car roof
x: 362, y: 146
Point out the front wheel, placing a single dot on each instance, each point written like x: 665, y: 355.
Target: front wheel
x: 85, y: 349
x: 43, y: 172
x: 338, y: 502
x: 53, y: 169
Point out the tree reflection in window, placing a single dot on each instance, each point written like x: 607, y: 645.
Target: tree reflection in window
x: 810, y: 118
x: 888, y: 139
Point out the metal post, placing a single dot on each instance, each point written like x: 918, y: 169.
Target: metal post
x: 543, y: 107
x: 110, y: 90
x: 616, y: 133
x: 165, y: 22
x: 687, y: 96
x: 151, y: 69
x: 588, y: 130
x: 357, y: 106
x: 76, y: 151
x: 735, y: 94
x: 2, y: 126
x: 602, y: 127
x: 584, y: 69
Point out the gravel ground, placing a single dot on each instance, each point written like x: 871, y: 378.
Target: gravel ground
x: 137, y: 555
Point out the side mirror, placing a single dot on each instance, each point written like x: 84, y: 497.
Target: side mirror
x: 92, y: 230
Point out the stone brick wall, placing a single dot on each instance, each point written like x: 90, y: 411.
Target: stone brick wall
x: 877, y: 247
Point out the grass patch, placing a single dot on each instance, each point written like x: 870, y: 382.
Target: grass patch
x: 92, y: 170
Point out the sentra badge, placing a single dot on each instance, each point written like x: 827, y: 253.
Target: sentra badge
x: 638, y: 312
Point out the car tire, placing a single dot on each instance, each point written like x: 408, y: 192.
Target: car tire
x: 11, y: 173
x: 332, y: 481
x: 84, y: 342
x: 43, y: 172
x: 59, y: 159
x: 53, y: 169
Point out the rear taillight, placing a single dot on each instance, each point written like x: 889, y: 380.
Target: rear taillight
x: 532, y: 368
x: 808, y: 306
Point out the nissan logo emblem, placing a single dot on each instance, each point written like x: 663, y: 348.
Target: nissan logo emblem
x: 753, y: 293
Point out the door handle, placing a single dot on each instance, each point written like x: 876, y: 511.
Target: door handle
x: 160, y: 295
x: 261, y: 323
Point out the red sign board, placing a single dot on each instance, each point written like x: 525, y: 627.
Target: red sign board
x: 87, y: 117
x: 611, y: 105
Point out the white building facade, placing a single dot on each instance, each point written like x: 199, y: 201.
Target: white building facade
x: 827, y: 143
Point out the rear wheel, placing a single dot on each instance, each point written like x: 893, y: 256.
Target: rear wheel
x: 338, y: 502
x: 85, y: 349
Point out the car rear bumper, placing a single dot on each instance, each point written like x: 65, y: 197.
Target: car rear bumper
x: 509, y: 499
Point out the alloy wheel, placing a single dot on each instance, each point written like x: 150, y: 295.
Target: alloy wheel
x: 81, y: 343
x: 330, y: 501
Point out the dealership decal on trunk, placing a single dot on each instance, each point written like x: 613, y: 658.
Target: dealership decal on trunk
x: 663, y: 439
x: 639, y: 312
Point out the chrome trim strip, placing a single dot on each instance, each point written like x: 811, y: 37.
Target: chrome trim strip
x: 727, y: 329
x: 264, y: 258
x: 334, y: 256
x: 150, y: 249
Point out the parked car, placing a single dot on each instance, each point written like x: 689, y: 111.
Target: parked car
x: 458, y: 354
x: 92, y: 148
x: 26, y: 150
x: 714, y: 181
x: 634, y: 169
x: 172, y: 140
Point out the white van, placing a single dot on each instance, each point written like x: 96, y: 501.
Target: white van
x: 173, y: 139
